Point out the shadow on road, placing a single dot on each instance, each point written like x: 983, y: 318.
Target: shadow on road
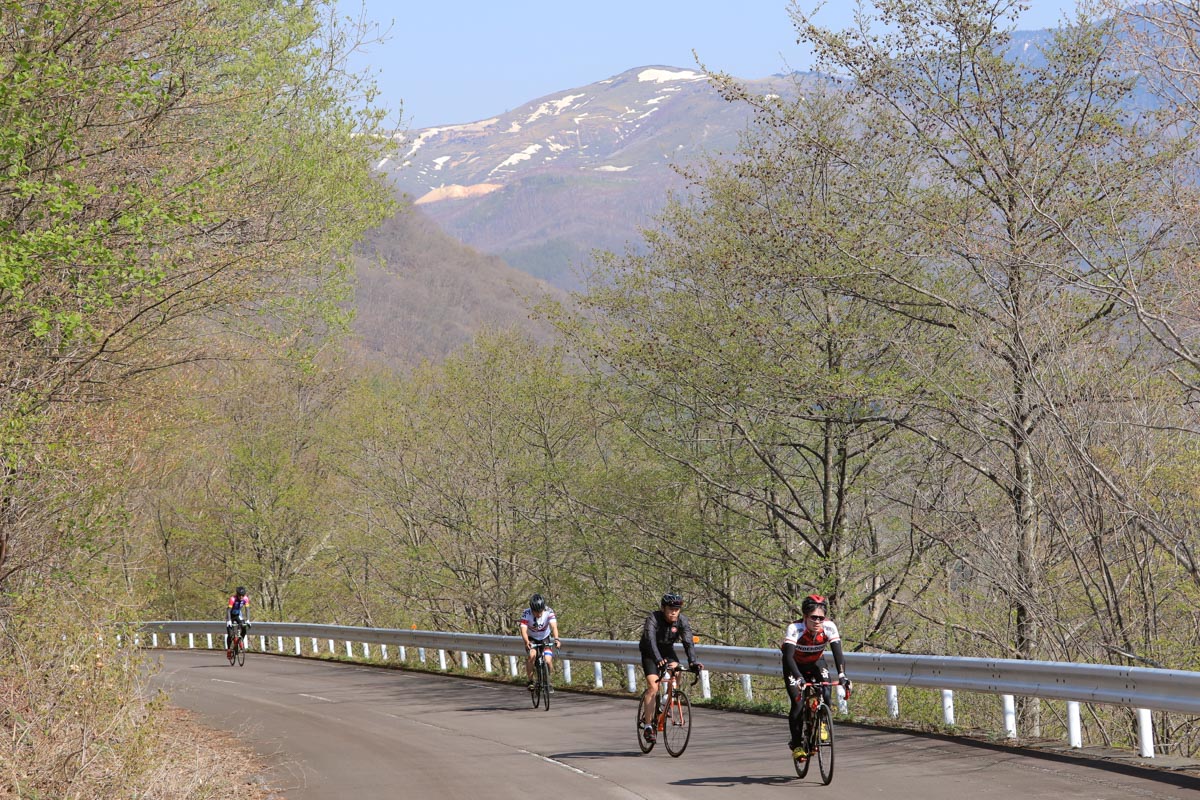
x: 737, y: 780
x: 596, y: 754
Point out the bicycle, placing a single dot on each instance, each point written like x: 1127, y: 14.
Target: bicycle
x: 541, y: 684
x: 236, y: 649
x: 672, y: 714
x: 816, y: 726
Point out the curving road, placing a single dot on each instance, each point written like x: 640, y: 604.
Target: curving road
x: 335, y: 730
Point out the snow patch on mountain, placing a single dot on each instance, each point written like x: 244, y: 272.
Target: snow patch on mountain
x: 664, y: 75
x: 517, y: 158
x: 553, y: 107
x: 456, y: 192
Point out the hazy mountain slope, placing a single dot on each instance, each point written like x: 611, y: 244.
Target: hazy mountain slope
x: 433, y: 294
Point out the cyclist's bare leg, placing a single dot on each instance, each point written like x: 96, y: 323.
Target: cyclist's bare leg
x: 529, y: 664
x: 648, y: 698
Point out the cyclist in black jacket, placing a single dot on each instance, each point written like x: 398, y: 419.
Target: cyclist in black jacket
x: 662, y: 629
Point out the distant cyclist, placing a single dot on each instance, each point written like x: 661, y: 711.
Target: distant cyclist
x: 659, y: 633
x: 538, y: 625
x: 804, y: 645
x: 238, y: 612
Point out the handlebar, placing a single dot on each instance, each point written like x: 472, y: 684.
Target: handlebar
x: 664, y: 670
x: 848, y: 687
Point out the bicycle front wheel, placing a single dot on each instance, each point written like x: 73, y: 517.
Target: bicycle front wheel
x: 229, y: 652
x: 241, y: 652
x: 802, y: 764
x: 677, y: 726
x: 824, y: 743
x: 544, y: 680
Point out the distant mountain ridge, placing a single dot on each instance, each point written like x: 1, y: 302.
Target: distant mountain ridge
x: 532, y: 192
x: 543, y: 185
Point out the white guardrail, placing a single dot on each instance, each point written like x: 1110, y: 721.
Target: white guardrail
x: 1140, y: 688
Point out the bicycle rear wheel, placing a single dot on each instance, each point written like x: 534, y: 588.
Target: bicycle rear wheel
x: 544, y: 681
x: 241, y: 651
x: 645, y: 746
x: 677, y: 727
x: 823, y: 743
x: 229, y: 652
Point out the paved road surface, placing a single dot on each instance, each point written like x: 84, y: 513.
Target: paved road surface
x: 336, y: 730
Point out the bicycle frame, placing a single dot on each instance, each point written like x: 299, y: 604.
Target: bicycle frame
x: 667, y: 685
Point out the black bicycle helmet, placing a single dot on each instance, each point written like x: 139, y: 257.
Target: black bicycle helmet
x: 241, y: 590
x: 811, y: 602
x: 537, y: 604
x: 672, y: 600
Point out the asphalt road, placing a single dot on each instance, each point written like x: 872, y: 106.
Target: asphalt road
x: 335, y: 730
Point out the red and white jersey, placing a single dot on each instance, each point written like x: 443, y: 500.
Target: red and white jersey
x: 809, y: 645
x: 539, y: 627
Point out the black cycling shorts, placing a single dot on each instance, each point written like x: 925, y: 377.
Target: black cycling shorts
x: 650, y: 666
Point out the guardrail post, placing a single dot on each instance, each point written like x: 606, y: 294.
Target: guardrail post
x: 843, y: 707
x: 512, y: 666
x: 1010, y: 716
x: 316, y: 646
x: 746, y: 690
x: 191, y: 640
x: 566, y: 670
x: 630, y: 678
x: 421, y: 654
x: 297, y: 645
x: 366, y: 649
x: 487, y: 662
x: 598, y: 675
x: 948, y: 707
x: 349, y: 650
x: 403, y: 653
x: 332, y: 647
x: 893, y: 702
x: 154, y: 640
x: 383, y: 649
x: 262, y: 643
x: 1074, y: 729
x: 137, y: 640
x: 172, y: 640
x: 280, y: 643
x: 705, y: 685
x: 462, y: 659
x: 1145, y: 733
x: 442, y: 659
x: 210, y: 647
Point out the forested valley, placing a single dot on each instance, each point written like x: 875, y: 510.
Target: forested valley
x: 926, y: 344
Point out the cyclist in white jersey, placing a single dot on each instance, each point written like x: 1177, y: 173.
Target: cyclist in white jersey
x: 538, y: 624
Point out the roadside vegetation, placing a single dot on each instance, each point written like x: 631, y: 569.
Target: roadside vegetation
x: 180, y: 186
x: 927, y: 344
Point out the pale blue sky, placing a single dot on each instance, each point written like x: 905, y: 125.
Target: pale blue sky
x: 454, y: 61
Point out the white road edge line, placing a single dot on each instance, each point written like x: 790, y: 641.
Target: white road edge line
x: 317, y: 697
x: 559, y: 763
x: 222, y: 680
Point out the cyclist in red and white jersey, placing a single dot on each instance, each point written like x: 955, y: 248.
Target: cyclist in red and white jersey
x: 538, y: 624
x: 803, y: 646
